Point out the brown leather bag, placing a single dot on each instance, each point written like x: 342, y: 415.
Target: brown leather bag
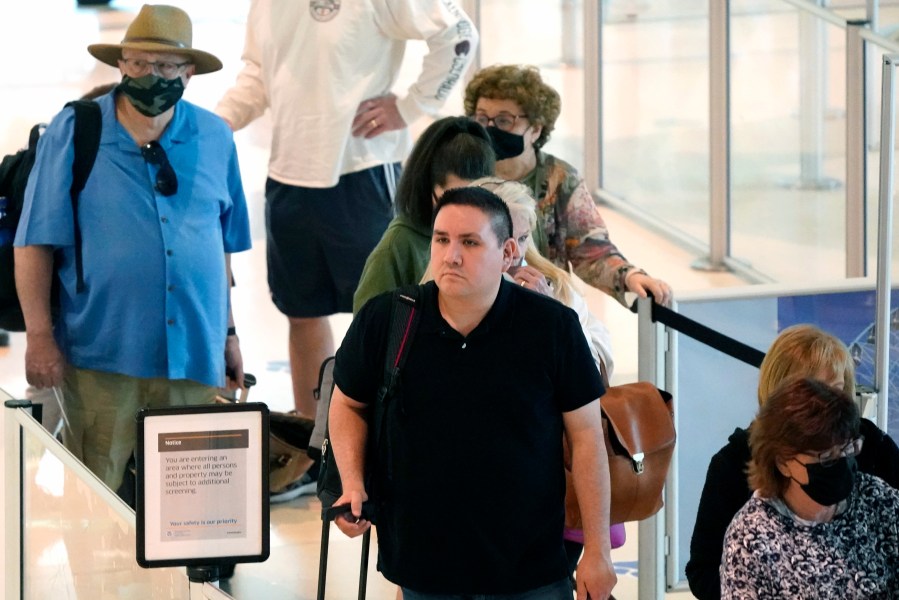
x: 638, y: 427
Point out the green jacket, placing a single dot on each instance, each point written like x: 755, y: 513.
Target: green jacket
x: 400, y: 258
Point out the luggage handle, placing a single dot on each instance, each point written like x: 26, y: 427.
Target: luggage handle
x: 328, y: 515
x: 332, y: 512
x: 249, y: 380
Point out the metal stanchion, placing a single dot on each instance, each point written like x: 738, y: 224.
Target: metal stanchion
x: 593, y: 136
x: 719, y: 139
x: 651, y: 531
x: 856, y: 150
x: 885, y: 238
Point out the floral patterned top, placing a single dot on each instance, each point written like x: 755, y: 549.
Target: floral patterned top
x: 771, y: 553
x: 570, y: 228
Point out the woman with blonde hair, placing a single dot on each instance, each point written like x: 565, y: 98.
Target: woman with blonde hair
x: 799, y: 351
x: 531, y: 270
x: 806, y: 351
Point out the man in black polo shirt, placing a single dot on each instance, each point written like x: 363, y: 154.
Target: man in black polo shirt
x: 494, y: 374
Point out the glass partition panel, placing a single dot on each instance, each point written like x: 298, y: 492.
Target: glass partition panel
x: 656, y: 110
x: 715, y: 394
x: 788, y: 153
x: 76, y: 544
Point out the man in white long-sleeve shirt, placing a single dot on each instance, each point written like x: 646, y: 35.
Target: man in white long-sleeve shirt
x: 325, y: 68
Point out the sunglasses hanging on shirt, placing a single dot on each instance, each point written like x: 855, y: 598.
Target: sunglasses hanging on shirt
x: 166, y: 181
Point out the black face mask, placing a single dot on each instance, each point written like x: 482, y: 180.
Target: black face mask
x: 152, y: 95
x: 505, y: 144
x: 830, y: 485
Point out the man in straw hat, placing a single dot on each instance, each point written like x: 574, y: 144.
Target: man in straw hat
x: 325, y: 69
x: 159, y: 216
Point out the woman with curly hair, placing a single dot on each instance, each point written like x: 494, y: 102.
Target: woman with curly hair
x: 520, y: 110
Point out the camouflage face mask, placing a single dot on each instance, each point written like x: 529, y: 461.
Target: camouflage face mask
x: 150, y: 94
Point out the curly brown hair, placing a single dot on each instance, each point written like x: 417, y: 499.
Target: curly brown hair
x: 521, y: 84
x: 801, y: 415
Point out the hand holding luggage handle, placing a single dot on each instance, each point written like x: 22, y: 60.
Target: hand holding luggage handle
x: 328, y: 515
x: 241, y: 393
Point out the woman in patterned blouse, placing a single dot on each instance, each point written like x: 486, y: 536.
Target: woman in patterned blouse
x: 815, y: 527
x: 520, y: 110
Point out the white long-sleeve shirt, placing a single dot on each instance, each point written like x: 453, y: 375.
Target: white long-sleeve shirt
x: 313, y: 63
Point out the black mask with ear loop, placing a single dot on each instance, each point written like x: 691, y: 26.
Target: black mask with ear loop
x: 831, y: 484
x: 505, y: 144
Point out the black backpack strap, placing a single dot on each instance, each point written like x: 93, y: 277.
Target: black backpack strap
x: 35, y: 134
x: 403, y: 322
x: 88, y: 125
x: 404, y: 318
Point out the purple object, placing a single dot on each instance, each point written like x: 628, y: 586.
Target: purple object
x: 617, y: 535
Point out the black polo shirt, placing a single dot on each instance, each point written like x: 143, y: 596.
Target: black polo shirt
x: 475, y: 501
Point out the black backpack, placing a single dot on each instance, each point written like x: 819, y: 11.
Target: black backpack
x: 403, y: 322
x: 14, y: 172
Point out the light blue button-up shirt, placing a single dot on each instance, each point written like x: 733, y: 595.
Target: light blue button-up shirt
x: 156, y: 303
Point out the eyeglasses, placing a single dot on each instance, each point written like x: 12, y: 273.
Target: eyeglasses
x: 828, y: 457
x: 504, y: 121
x: 138, y: 67
x: 166, y: 181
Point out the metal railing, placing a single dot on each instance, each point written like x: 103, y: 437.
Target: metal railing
x: 861, y: 104
x: 885, y: 237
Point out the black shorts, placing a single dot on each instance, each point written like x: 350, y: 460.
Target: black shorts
x: 318, y: 239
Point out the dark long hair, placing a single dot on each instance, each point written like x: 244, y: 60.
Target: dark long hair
x: 449, y: 146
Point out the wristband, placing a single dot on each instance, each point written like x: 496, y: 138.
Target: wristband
x: 232, y: 331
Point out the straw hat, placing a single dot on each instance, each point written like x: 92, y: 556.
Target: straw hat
x: 158, y: 28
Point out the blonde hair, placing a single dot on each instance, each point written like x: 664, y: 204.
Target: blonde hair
x: 518, y: 198
x: 805, y: 351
